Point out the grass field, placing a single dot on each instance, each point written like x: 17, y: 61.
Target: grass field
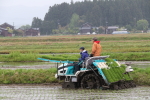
x: 71, y: 43
x: 121, y: 47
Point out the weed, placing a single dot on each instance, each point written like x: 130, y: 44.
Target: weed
x: 141, y: 76
x: 29, y: 76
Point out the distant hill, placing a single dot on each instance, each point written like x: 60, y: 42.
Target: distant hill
x: 96, y: 12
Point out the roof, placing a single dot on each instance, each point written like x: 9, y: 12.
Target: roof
x: 113, y: 27
x: 7, y: 24
x: 85, y: 28
x: 35, y: 28
x: 86, y: 25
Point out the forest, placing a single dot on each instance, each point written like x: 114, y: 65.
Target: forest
x: 70, y: 16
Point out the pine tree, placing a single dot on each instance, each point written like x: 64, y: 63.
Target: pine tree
x: 96, y: 12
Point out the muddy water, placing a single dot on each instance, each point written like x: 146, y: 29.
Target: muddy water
x: 27, y: 65
x: 138, y: 64
x: 15, y: 92
x: 46, y: 65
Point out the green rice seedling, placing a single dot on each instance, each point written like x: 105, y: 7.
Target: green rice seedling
x: 115, y: 73
x: 141, y: 76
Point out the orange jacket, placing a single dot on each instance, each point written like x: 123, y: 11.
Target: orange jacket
x: 96, y: 48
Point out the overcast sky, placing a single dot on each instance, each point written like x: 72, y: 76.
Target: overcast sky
x: 21, y: 12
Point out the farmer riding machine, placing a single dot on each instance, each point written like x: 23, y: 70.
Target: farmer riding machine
x: 95, y: 73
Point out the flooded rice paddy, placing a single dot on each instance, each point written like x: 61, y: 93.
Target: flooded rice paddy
x: 55, y: 92
x: 17, y: 92
x: 46, y: 65
x: 27, y: 65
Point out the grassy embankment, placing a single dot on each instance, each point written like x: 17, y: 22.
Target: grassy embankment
x: 37, y: 76
x: 27, y: 76
x: 141, y: 76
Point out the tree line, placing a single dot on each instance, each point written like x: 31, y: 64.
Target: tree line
x: 97, y: 12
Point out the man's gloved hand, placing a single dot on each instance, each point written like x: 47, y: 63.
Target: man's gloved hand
x: 91, y: 55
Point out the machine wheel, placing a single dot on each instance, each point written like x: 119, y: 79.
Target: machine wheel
x: 122, y: 86
x: 132, y: 84
x: 90, y: 81
x: 127, y: 84
x: 69, y: 85
x: 115, y: 87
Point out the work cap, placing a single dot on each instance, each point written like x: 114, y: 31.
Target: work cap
x: 82, y: 48
x: 95, y: 39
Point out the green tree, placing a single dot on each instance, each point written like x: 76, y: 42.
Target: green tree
x: 96, y: 12
x: 101, y: 30
x: 128, y: 27
x: 9, y: 30
x: 25, y: 27
x: 142, y: 25
x: 74, y: 22
x: 47, y: 27
x: 18, y: 32
x: 36, y: 23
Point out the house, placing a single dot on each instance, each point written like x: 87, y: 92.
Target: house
x: 4, y: 32
x: 86, y: 29
x: 32, y: 32
x: 5, y: 25
x: 111, y: 29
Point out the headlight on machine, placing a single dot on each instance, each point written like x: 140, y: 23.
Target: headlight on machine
x: 129, y: 69
x: 56, y: 75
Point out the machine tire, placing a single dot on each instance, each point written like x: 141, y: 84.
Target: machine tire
x: 90, y: 81
x: 122, y: 86
x: 132, y: 84
x: 116, y: 87
x: 127, y: 84
x: 69, y: 85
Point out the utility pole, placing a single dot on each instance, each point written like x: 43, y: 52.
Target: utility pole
x: 106, y: 26
x: 135, y: 22
x: 58, y: 22
x: 13, y: 30
x: 13, y: 25
x: 100, y: 21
